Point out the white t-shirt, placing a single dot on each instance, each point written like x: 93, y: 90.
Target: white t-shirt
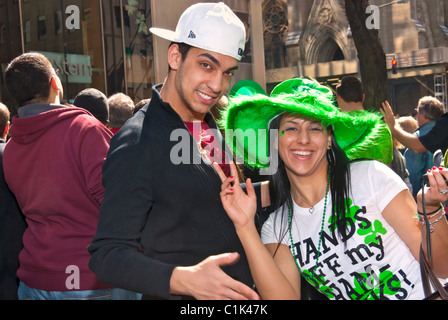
x: 373, y: 263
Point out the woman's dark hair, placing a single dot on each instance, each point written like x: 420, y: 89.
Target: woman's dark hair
x: 28, y: 77
x: 280, y: 188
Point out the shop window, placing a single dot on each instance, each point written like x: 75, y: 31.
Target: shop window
x: 27, y: 31
x: 42, y: 27
x: 126, y: 20
x: 58, y: 22
x: 275, y: 32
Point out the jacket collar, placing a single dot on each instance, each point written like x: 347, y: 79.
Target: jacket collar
x: 31, y: 110
x: 209, y: 118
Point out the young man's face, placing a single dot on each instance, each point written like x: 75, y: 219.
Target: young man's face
x: 201, y: 79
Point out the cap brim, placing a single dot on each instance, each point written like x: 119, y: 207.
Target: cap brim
x: 164, y: 33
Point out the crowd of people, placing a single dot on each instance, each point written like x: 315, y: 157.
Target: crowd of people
x: 52, y: 165
x: 107, y: 199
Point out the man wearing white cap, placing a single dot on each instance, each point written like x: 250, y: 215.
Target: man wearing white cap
x: 162, y: 229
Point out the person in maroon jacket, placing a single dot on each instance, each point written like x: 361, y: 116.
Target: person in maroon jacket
x: 53, y: 164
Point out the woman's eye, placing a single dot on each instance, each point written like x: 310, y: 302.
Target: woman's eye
x: 316, y: 128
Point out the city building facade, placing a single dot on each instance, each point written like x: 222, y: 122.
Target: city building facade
x: 106, y: 44
x: 314, y: 39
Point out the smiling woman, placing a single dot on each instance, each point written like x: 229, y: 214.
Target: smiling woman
x: 341, y: 217
x: 303, y: 144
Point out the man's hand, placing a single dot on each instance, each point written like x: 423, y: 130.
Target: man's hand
x: 388, y: 114
x: 409, y: 140
x: 207, y: 281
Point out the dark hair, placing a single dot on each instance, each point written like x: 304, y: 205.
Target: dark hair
x: 280, y: 188
x: 350, y: 89
x: 4, y: 117
x: 141, y: 104
x: 183, y: 49
x: 28, y: 77
x: 94, y: 101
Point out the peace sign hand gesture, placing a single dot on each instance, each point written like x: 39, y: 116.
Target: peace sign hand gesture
x: 240, y: 207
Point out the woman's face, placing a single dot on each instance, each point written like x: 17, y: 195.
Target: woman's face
x: 303, y: 145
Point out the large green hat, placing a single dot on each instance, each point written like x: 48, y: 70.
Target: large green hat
x: 362, y: 134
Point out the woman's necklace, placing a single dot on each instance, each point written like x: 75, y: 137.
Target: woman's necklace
x: 311, y: 208
x: 320, y: 236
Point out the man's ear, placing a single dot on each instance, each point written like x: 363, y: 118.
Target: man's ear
x: 55, y: 84
x: 174, y: 56
x: 5, y: 133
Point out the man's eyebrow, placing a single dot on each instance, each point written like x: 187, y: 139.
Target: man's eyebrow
x: 212, y: 58
x: 215, y: 61
x: 235, y: 68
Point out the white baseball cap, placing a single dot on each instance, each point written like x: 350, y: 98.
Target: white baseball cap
x: 209, y: 26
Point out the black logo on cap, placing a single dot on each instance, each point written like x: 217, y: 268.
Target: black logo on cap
x: 240, y: 52
x: 192, y: 35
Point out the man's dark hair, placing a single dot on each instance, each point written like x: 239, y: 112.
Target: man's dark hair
x: 4, y: 118
x: 94, y: 101
x: 28, y: 77
x: 350, y: 89
x: 183, y: 49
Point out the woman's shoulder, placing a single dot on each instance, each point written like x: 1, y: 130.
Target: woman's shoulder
x: 377, y: 173
x: 367, y: 165
x: 370, y: 169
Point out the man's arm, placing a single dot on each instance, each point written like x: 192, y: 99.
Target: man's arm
x: 410, y: 141
x: 94, y: 146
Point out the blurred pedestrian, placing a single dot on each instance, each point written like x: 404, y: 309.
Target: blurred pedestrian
x: 429, y: 110
x: 94, y: 101
x: 436, y: 138
x: 12, y: 223
x: 408, y: 124
x: 121, y: 109
x: 350, y: 94
x: 53, y: 164
x: 141, y: 104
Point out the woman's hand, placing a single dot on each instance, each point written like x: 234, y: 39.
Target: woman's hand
x: 240, y: 207
x: 437, y: 192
